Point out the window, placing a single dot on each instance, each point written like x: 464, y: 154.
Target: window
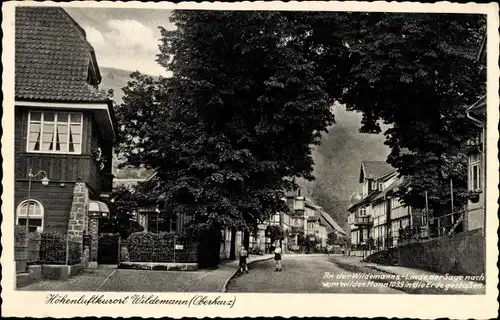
x: 160, y: 223
x: 380, y: 186
x: 55, y: 132
x: 475, y: 173
x: 362, y: 211
x: 34, y: 216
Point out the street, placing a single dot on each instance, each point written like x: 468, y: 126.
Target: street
x: 301, y: 274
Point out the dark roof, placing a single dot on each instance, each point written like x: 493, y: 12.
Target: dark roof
x: 374, y: 170
x: 334, y: 225
x: 53, y: 58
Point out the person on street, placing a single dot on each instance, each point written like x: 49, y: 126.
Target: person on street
x: 277, y: 257
x: 243, y: 260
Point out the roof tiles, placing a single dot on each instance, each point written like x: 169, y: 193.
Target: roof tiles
x: 52, y: 57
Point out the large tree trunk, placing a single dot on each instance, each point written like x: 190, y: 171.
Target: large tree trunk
x: 209, y: 242
x: 232, y: 250
x: 246, y: 239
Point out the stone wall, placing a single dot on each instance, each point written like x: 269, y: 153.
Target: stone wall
x: 460, y: 254
x: 78, y: 215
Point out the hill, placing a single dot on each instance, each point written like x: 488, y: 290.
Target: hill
x: 337, y: 159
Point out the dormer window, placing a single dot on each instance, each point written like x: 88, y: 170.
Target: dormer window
x: 374, y: 185
x: 362, y: 211
x: 380, y: 186
x: 55, y: 132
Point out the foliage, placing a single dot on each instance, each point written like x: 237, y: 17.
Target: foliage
x: 416, y: 72
x: 274, y: 232
x: 154, y: 247
x: 235, y: 122
x: 125, y: 201
x: 251, y: 93
x: 52, y: 247
x: 19, y: 234
x: 331, y: 238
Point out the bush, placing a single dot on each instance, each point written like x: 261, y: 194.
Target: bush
x: 108, y: 248
x: 19, y: 235
x: 153, y: 247
x: 53, y: 247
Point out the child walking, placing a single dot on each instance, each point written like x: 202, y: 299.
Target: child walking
x: 277, y: 257
x: 243, y: 260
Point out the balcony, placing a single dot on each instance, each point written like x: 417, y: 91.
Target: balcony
x: 363, y: 221
x: 296, y: 229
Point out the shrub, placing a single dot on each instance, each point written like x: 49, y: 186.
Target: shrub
x: 141, y: 246
x: 108, y: 248
x: 34, y: 242
x: 19, y: 235
x: 52, y: 247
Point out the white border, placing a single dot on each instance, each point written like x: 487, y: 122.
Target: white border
x: 19, y: 303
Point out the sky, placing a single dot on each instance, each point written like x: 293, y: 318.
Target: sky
x: 124, y: 38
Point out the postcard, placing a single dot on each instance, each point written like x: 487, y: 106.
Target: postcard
x: 250, y: 159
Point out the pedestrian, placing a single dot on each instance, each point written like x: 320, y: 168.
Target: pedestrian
x: 243, y: 260
x: 277, y: 257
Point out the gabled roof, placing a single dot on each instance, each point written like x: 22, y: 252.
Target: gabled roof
x: 53, y: 60
x: 374, y: 170
x: 333, y: 224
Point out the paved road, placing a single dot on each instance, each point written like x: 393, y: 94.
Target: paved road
x: 301, y: 274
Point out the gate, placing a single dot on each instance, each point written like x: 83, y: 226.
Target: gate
x: 109, y: 248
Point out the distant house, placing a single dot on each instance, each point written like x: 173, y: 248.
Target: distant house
x: 377, y: 214
x: 372, y: 175
x: 64, y: 126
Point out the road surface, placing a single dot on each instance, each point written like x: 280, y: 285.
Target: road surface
x: 303, y: 274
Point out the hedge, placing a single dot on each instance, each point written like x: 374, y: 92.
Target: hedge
x: 153, y: 247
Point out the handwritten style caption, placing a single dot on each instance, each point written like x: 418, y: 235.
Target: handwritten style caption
x: 137, y: 299
x: 411, y: 281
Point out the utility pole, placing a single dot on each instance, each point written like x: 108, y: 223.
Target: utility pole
x: 427, y: 214
x: 452, y: 206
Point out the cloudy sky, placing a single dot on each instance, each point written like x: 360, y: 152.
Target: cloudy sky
x: 124, y: 38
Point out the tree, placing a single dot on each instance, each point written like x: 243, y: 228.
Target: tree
x: 275, y: 233
x: 331, y: 238
x: 124, y: 202
x: 416, y: 73
x: 236, y: 121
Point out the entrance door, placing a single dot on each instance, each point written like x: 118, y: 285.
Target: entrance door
x: 109, y: 248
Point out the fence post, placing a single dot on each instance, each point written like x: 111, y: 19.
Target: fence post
x: 119, y: 249
x: 67, y: 250
x: 174, y: 249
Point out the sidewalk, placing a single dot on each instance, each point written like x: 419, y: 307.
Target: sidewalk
x: 216, y: 280
x: 435, y: 281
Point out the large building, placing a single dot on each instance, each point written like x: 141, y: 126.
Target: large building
x: 476, y: 209
x: 377, y: 218
x: 64, y: 126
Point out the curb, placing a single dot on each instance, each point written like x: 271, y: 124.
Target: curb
x: 224, y: 286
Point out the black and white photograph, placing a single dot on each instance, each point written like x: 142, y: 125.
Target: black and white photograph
x: 226, y: 151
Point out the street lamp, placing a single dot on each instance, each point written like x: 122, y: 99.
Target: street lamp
x: 45, y: 182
